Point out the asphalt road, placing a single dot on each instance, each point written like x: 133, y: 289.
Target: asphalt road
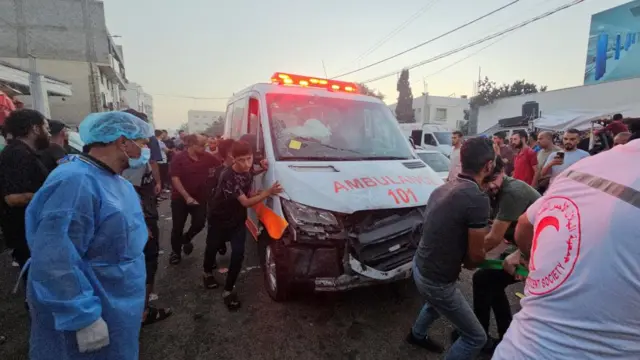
x: 369, y: 323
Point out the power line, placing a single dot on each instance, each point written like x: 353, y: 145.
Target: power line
x: 428, y: 41
x: 479, y: 50
x: 397, y: 30
x: 191, y: 97
x: 466, y: 57
x: 480, y: 41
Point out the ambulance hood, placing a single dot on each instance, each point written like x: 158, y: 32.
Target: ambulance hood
x: 350, y: 186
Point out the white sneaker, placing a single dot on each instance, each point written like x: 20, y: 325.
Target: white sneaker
x: 153, y: 297
x: 15, y: 264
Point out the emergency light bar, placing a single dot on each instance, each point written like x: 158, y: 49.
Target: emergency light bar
x: 299, y: 80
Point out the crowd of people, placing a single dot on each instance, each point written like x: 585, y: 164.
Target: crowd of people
x: 574, y: 211
x: 83, y: 227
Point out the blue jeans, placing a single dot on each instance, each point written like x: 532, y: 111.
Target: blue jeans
x: 448, y: 301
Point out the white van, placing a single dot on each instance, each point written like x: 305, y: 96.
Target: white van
x: 354, y: 191
x: 430, y: 135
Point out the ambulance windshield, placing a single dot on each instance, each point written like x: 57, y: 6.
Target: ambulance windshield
x: 319, y: 128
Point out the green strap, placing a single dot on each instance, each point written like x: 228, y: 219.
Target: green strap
x: 497, y: 265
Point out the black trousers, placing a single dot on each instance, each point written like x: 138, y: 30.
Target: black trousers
x: 152, y: 250
x: 488, y: 294
x: 216, y: 238
x: 15, y: 238
x: 164, y: 175
x: 180, y: 211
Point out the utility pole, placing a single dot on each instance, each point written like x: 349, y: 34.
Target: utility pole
x: 39, y: 96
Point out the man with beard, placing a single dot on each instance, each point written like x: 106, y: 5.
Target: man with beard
x: 504, y: 151
x: 525, y: 161
x: 56, y: 150
x: 190, y: 170
x: 510, y: 198
x: 21, y: 175
x: 454, y: 232
x: 559, y: 161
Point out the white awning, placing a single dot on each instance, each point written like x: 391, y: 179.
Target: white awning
x: 14, y: 75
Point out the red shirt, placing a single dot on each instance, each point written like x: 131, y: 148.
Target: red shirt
x: 524, y: 163
x: 194, y: 174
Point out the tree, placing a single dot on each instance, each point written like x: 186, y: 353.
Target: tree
x: 489, y: 91
x: 365, y: 90
x: 217, y: 128
x: 404, y: 108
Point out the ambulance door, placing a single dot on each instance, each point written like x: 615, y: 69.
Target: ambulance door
x: 253, y: 134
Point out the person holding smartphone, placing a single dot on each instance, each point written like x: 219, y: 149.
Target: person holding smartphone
x: 559, y: 161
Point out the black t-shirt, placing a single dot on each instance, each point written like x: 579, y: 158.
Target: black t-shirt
x: 51, y: 155
x: 452, y: 209
x: 226, y: 210
x: 21, y: 171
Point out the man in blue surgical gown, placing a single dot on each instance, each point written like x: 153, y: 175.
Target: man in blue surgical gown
x: 86, y: 232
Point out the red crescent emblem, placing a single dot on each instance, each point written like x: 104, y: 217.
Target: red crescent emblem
x: 543, y: 224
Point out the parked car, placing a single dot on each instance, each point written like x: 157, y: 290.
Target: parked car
x: 437, y: 161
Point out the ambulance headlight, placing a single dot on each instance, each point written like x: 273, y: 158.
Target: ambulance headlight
x: 308, y: 218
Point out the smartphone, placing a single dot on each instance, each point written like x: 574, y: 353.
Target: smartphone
x: 560, y: 155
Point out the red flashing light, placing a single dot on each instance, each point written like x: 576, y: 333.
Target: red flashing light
x: 306, y: 81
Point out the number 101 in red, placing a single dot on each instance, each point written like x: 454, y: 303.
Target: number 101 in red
x: 402, y: 196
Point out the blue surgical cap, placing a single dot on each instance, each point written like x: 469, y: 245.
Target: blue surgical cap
x: 106, y: 127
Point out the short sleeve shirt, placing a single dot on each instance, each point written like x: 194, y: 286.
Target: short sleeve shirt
x: 226, y: 210
x: 452, y: 209
x: 524, y: 163
x: 194, y: 174
x: 584, y: 278
x: 156, y: 152
x: 21, y: 171
x: 570, y: 158
x: 506, y: 153
x: 513, y: 200
x: 163, y: 152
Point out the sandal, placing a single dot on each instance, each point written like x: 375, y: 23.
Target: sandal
x: 209, y: 281
x: 155, y: 314
x: 175, y: 259
x: 232, y: 302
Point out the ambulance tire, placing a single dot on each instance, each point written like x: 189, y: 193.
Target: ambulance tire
x: 275, y: 267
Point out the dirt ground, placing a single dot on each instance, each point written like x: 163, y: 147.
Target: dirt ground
x: 369, y: 323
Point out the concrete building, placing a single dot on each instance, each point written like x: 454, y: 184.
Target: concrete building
x: 439, y: 110
x: 617, y: 96
x: 70, y: 40
x: 200, y: 120
x: 135, y: 97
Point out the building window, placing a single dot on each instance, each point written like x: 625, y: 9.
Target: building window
x: 441, y: 114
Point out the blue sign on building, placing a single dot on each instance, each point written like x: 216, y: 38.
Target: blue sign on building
x: 613, y: 52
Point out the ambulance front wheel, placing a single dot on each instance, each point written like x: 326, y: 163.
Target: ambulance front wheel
x: 275, y: 267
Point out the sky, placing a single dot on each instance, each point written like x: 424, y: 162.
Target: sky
x: 211, y: 49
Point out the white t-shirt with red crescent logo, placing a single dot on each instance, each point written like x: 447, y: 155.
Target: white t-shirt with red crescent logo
x: 583, y: 290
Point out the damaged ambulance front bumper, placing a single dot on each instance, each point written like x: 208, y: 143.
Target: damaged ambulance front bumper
x: 360, y: 275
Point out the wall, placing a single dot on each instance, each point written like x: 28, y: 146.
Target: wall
x: 605, y: 96
x: 200, y: 120
x: 69, y: 109
x: 427, y: 112
x: 54, y: 29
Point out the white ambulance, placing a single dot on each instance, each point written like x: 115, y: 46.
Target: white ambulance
x: 354, y: 191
